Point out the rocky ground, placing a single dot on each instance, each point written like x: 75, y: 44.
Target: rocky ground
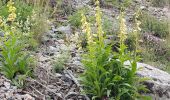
x: 49, y: 85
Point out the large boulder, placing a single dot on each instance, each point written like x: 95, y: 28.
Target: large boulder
x: 159, y: 83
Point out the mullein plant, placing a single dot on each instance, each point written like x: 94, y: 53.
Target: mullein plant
x: 15, y: 61
x: 106, y: 77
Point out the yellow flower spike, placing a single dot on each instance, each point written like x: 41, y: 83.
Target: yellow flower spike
x: 11, y: 17
x: 1, y: 21
x: 12, y: 9
x: 97, y: 2
x: 138, y: 25
x: 122, y: 28
x: 7, y: 33
x: 100, y: 32
x: 86, y: 29
x: 136, y: 31
x: 10, y: 3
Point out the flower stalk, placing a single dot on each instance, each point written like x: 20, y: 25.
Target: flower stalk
x: 100, y: 32
x: 12, y: 10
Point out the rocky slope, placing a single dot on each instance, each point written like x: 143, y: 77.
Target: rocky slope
x: 49, y: 85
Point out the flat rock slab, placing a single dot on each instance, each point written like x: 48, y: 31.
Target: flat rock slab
x: 159, y: 85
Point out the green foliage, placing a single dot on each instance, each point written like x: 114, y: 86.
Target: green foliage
x: 107, y: 25
x: 32, y: 18
x: 106, y: 75
x: 75, y: 19
x: 39, y: 25
x: 156, y: 55
x: 63, y: 8
x: 60, y: 62
x: 14, y: 61
x: 151, y: 24
x: 130, y: 42
x: 160, y: 3
x: 23, y: 10
x: 120, y: 3
x: 4, y: 10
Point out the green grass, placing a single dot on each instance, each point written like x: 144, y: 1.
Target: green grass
x: 160, y: 3
x: 150, y: 24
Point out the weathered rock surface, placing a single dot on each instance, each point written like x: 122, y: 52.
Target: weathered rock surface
x: 64, y: 86
x: 159, y: 86
x: 63, y: 29
x: 10, y: 92
x: 159, y: 83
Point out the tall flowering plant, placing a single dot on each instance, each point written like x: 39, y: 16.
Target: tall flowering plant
x: 106, y: 77
x: 15, y: 60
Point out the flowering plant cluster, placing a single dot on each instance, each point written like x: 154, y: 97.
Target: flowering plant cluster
x: 15, y: 60
x: 106, y: 76
x: 12, y: 10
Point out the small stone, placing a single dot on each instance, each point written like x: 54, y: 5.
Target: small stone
x: 63, y: 47
x: 9, y: 95
x: 142, y: 7
x: 1, y: 82
x: 28, y: 97
x: 64, y: 29
x: 60, y: 41
x: 58, y: 75
x: 78, y: 63
x: 53, y: 49
x: 7, y: 85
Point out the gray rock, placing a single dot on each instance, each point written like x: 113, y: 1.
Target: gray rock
x: 77, y: 63
x: 53, y: 49
x: 64, y: 29
x: 1, y: 34
x: 64, y: 47
x: 28, y: 97
x: 7, y: 85
x: 159, y: 85
x: 143, y: 8
x: 1, y: 82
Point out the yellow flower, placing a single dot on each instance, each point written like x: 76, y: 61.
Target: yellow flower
x: 10, y: 3
x: 11, y: 9
x: 7, y: 33
x: 1, y: 21
x: 86, y: 29
x: 100, y: 32
x: 138, y: 25
x: 122, y: 28
x: 11, y: 17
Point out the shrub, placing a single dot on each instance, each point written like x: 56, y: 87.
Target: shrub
x: 151, y: 24
x: 106, y: 76
x: 75, y: 19
x: 156, y: 55
x: 23, y: 10
x: 15, y: 59
x: 107, y: 26
x: 160, y: 3
x: 31, y: 18
x: 61, y: 61
x: 39, y: 25
x: 62, y: 8
x: 122, y: 4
